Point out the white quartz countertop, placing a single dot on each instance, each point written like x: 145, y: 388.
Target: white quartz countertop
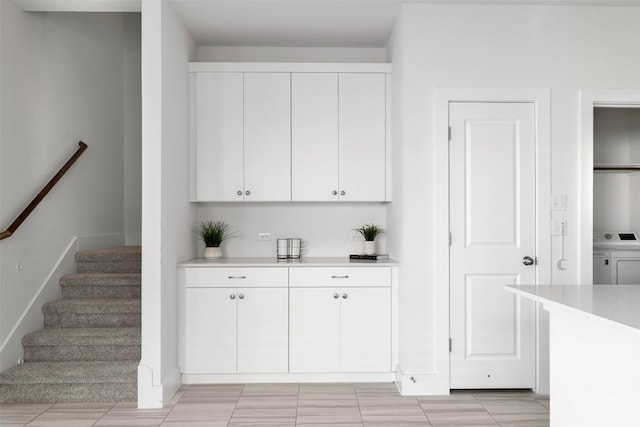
x: 273, y: 262
x: 616, y: 305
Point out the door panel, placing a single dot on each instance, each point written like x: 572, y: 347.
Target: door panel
x: 314, y: 330
x: 263, y: 333
x: 210, y: 330
x: 314, y: 136
x: 492, y: 221
x: 365, y: 319
x: 267, y: 136
x: 219, y: 139
x: 362, y: 136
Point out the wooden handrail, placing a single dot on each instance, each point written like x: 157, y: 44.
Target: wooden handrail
x: 42, y: 194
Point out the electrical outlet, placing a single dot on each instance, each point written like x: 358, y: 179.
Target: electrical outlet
x: 264, y: 236
x: 559, y: 228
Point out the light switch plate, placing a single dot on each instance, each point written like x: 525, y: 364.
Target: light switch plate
x: 264, y: 236
x: 559, y: 202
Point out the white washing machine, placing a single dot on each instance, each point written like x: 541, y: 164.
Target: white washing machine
x: 616, y: 258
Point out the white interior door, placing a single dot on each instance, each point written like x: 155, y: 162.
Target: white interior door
x: 492, y: 225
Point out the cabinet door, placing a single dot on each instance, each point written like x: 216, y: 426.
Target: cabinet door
x: 267, y: 136
x: 362, y: 136
x: 210, y: 330
x: 262, y: 330
x: 314, y: 330
x: 218, y: 155
x: 365, y: 328
x: 314, y: 136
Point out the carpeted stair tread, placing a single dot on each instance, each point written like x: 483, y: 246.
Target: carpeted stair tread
x: 101, y: 285
x: 125, y: 259
x: 83, y: 337
x: 92, y: 306
x: 101, y: 279
x: 124, y: 371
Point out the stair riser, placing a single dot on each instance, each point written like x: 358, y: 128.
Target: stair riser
x: 93, y: 320
x: 80, y: 353
x: 89, y: 291
x: 108, y: 267
x: 68, y: 393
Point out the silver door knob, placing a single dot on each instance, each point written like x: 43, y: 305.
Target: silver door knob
x: 232, y: 296
x: 336, y: 296
x: 345, y: 296
x: 248, y: 193
x: 239, y: 193
x: 342, y: 193
x: 527, y: 260
x: 334, y: 192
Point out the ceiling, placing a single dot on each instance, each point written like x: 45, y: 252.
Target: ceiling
x: 313, y: 23
x: 290, y: 23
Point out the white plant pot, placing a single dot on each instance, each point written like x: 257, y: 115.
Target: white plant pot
x: 369, y: 247
x: 212, y: 253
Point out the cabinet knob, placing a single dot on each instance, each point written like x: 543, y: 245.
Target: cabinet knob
x: 248, y: 193
x: 342, y: 193
x: 336, y: 296
x: 232, y: 296
x: 239, y: 193
x: 241, y: 296
x: 334, y: 192
x: 345, y: 296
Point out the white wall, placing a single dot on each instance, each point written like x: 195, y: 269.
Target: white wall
x: 132, y: 112
x: 61, y: 81
x: 457, y: 46
x: 165, y: 189
x: 290, y: 54
x: 327, y: 228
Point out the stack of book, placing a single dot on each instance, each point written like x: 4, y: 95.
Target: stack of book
x: 368, y: 258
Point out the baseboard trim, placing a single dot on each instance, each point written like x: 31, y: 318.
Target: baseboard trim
x: 287, y: 378
x: 421, y: 384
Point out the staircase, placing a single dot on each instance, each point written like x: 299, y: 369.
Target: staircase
x: 89, y: 349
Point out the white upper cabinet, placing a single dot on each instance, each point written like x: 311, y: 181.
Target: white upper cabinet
x: 338, y: 136
x: 362, y: 116
x: 314, y: 136
x: 267, y: 136
x: 218, y: 152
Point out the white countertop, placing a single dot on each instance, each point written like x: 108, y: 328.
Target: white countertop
x: 616, y: 305
x: 273, y: 262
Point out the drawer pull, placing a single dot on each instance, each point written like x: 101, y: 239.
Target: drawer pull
x: 241, y: 296
x: 336, y: 296
x: 345, y: 296
x: 339, y: 277
x: 237, y: 277
x: 232, y: 296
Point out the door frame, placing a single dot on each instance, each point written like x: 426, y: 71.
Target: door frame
x: 541, y: 98
x: 589, y: 100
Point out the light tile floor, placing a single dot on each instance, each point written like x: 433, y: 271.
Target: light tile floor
x: 306, y: 405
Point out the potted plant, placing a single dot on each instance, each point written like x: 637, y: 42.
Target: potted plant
x: 213, y: 233
x: 369, y: 232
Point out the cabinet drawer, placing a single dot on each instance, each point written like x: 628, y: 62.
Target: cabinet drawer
x: 339, y: 276
x: 235, y: 277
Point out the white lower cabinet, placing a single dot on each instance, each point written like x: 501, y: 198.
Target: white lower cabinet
x: 295, y: 320
x: 339, y: 330
x: 235, y: 330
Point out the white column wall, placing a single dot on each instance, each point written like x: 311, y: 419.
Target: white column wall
x: 166, y: 211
